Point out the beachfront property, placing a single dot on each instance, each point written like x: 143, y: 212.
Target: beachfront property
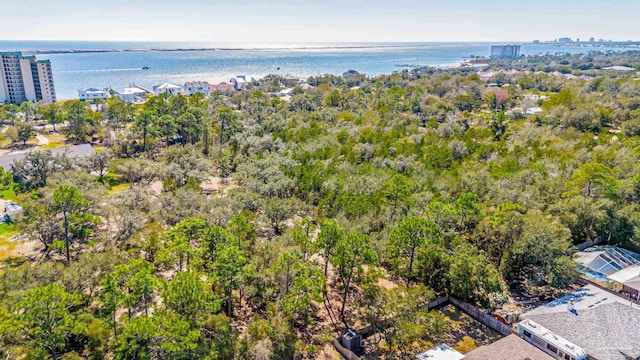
x: 24, y: 78
x: 604, y: 325
x: 350, y: 74
x: 134, y: 94
x: 192, y: 87
x: 222, y: 87
x: 167, y: 88
x: 240, y: 81
x: 505, y: 51
x: 611, y: 266
x: 93, y: 94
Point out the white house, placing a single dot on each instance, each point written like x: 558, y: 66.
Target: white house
x: 135, y: 94
x: 193, y: 87
x: 168, y: 88
x: 93, y: 93
x: 11, y: 211
x: 240, y: 81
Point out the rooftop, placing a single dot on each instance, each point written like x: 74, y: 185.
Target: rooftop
x: 585, y: 298
x: 607, y: 259
x: 564, y: 345
x: 511, y: 347
x: 619, y: 68
x: 167, y: 86
x: 606, y: 326
x: 441, y: 352
x: 75, y: 151
x: 625, y: 274
x: 196, y: 84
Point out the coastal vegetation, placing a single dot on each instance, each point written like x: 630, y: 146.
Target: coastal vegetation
x: 249, y: 225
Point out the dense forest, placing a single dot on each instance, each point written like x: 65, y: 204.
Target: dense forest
x: 250, y: 225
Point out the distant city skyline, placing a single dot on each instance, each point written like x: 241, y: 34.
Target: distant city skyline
x: 319, y: 21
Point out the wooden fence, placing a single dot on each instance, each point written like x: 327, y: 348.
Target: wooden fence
x: 346, y: 353
x: 475, y: 313
x: 482, y: 317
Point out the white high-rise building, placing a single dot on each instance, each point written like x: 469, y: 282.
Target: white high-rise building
x: 505, y: 51
x: 24, y: 78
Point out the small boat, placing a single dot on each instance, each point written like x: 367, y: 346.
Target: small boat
x: 278, y: 67
x: 145, y: 68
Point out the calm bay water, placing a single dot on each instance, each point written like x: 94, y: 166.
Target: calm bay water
x: 118, y: 69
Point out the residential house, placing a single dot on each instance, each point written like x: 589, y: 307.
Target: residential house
x: 604, y: 325
x: 192, y: 87
x: 222, y: 87
x: 167, y: 88
x: 12, y: 211
x: 135, y: 94
x: 617, y: 268
x: 93, y: 93
x: 350, y: 74
x: 511, y: 347
x: 240, y: 81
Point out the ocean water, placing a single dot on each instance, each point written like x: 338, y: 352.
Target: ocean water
x: 216, y: 62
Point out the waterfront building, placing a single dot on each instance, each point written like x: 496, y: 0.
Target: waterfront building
x: 240, y: 81
x: 505, y: 51
x: 24, y: 78
x: 169, y: 88
x: 350, y: 74
x: 222, y: 87
x: 135, y: 94
x: 193, y: 87
x: 93, y: 93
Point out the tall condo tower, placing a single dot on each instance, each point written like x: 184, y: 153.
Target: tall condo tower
x: 24, y: 78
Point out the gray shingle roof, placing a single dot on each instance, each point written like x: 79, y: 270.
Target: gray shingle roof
x: 606, y: 331
x: 75, y: 151
x: 511, y: 347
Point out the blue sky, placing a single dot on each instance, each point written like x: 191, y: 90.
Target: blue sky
x: 317, y: 21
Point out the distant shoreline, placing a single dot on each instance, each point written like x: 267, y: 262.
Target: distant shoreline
x: 350, y: 47
x: 595, y: 47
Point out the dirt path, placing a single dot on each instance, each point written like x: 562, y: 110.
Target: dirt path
x: 42, y: 140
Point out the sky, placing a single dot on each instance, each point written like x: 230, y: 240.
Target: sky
x: 256, y: 21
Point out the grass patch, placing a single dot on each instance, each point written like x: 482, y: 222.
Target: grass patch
x: 56, y: 137
x: 6, y: 247
x: 52, y: 145
x: 465, y: 345
x: 4, y: 141
x: 56, y: 141
x: 118, y: 188
x: 9, y: 194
